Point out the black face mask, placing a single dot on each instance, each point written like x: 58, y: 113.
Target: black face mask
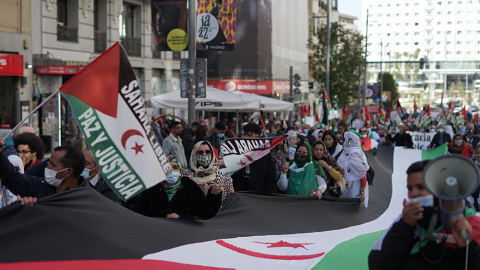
x: 301, y: 157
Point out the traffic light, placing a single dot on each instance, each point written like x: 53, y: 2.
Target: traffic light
x: 296, y: 84
x: 422, y: 63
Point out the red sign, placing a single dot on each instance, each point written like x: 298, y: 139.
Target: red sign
x: 11, y: 64
x: 58, y: 70
x: 252, y: 87
x: 4, y: 125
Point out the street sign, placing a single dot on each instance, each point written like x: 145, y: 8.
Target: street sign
x: 201, y: 87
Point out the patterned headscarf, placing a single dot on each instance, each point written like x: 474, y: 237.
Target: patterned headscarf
x: 203, y: 175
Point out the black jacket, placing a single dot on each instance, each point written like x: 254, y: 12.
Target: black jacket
x: 394, y: 252
x: 24, y: 184
x: 404, y: 139
x: 439, y: 139
x: 188, y: 140
x: 473, y: 140
x: 261, y: 177
x: 103, y: 188
x: 187, y: 202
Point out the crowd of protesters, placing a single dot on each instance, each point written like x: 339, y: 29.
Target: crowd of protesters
x: 313, y: 160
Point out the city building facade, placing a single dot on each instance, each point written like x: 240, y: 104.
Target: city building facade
x: 445, y: 33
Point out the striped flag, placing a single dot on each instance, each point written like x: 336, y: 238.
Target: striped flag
x: 348, y: 116
x: 461, y: 117
x: 301, y: 241
x: 103, y: 97
x: 426, y: 118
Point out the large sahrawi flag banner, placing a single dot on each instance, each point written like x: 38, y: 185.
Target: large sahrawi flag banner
x: 239, y: 152
x: 106, y: 100
x: 252, y: 231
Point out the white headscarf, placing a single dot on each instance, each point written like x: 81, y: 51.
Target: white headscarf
x: 17, y: 161
x: 352, y: 160
x: 203, y: 175
x: 449, y: 130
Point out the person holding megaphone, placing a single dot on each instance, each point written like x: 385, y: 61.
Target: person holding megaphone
x: 435, y: 229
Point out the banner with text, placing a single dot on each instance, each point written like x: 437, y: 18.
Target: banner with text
x: 106, y: 100
x: 421, y: 140
x: 169, y: 25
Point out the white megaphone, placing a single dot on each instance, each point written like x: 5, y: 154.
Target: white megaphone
x: 451, y: 179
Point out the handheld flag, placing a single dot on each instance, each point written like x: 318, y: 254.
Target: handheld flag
x: 426, y: 118
x: 237, y: 153
x: 104, y: 97
x: 348, y: 116
x: 326, y: 108
x: 415, y: 109
x: 461, y: 118
x: 400, y: 111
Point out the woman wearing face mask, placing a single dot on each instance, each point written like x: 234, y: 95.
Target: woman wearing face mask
x: 204, y: 170
x: 334, y: 173
x: 458, y: 146
x: 330, y: 140
x: 177, y: 197
x: 354, y: 164
x: 302, y: 175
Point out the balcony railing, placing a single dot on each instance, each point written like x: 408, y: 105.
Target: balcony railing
x: 100, y: 41
x: 67, y: 33
x: 132, y: 45
x: 156, y: 54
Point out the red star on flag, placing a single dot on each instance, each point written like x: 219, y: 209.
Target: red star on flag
x: 137, y: 148
x: 242, y: 163
x: 282, y: 243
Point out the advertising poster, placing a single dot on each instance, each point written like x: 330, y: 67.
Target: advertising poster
x: 216, y: 24
x: 169, y: 25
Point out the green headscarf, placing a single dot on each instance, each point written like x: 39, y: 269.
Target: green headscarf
x: 302, y: 175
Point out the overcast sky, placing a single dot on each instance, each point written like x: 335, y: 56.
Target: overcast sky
x: 352, y: 7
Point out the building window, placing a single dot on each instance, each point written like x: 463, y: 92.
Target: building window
x: 439, y: 23
x: 469, y: 32
x: 438, y: 53
x: 469, y: 22
x: 379, y: 25
x: 407, y: 14
x: 449, y: 23
x: 449, y: 32
x: 459, y: 32
x: 469, y: 52
x: 416, y: 14
x: 416, y: 24
x: 417, y: 33
x: 129, y: 21
x: 388, y: 24
x: 67, y: 20
x: 459, y: 12
x: 429, y: 33
x: 379, y: 5
x: 449, y: 13
x: 449, y: 2
x: 407, y: 24
x: 459, y: 2
x: 388, y: 15
x: 397, y: 34
x: 406, y: 34
x: 449, y: 52
x: 439, y: 43
x: 388, y: 34
x: 416, y: 43
x: 406, y: 43
x: 469, y: 42
x: 449, y: 42
x: 429, y: 43
x: 439, y: 3
x: 398, y: 44
x: 459, y: 52
x: 439, y: 13
x: 99, y: 26
x: 470, y: 12
x: 459, y: 43
x: 407, y: 4
x: 398, y: 24
x: 459, y: 22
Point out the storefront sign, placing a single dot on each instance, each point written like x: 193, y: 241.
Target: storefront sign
x: 11, y: 64
x: 58, y: 70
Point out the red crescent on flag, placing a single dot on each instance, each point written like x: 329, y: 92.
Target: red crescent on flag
x: 129, y: 133
x: 267, y: 256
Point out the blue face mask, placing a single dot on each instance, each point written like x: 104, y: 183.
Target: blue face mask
x: 86, y: 173
x: 425, y: 201
x: 173, y: 177
x: 335, y: 130
x: 220, y: 135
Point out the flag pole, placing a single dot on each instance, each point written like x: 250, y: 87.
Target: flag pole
x: 30, y: 114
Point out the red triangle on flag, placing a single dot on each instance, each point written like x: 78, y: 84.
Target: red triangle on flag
x: 97, y: 84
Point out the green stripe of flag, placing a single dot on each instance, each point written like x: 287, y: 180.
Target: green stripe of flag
x: 354, y: 250
x: 118, y: 172
x: 435, y: 152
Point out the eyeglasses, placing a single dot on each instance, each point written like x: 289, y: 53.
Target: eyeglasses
x: 26, y: 124
x: 362, y: 131
x: 23, y: 152
x: 201, y: 152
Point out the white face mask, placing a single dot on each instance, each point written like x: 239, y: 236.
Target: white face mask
x: 441, y: 130
x: 425, y: 201
x: 363, y: 135
x: 458, y: 142
x: 50, y: 177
